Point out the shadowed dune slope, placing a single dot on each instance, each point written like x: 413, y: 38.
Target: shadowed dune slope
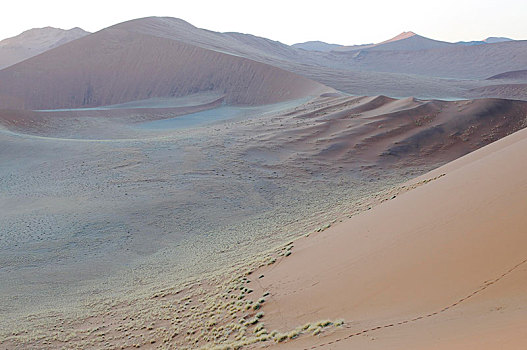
x: 442, y: 266
x: 513, y: 91
x: 35, y: 41
x: 239, y: 44
x: 514, y: 75
x: 364, y: 131
x: 115, y: 66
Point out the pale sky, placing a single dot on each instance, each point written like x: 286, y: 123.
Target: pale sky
x: 334, y: 21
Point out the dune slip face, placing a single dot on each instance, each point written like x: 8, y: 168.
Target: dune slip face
x: 116, y: 65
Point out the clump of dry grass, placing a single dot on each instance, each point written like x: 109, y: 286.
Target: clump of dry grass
x: 215, y: 313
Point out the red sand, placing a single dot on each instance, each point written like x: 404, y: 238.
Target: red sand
x: 443, y: 266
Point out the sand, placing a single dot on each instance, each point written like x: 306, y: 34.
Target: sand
x: 443, y: 72
x: 33, y: 42
x: 148, y: 217
x: 115, y: 66
x: 442, y: 266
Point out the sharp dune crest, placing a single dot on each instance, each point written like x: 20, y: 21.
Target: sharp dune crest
x: 403, y: 35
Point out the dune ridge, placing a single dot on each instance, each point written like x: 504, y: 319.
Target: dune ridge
x: 35, y: 41
x: 513, y: 75
x: 116, y: 66
x: 412, y: 66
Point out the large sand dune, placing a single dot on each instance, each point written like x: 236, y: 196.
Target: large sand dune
x: 476, y: 62
x: 407, y: 65
x: 442, y: 266
x: 414, y: 63
x: 116, y: 66
x: 245, y: 45
x: 406, y: 41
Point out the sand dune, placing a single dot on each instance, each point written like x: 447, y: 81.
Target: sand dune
x: 514, y: 75
x: 349, y: 132
x: 457, y: 61
x: 405, y: 54
x: 316, y: 46
x: 106, y: 221
x: 442, y: 266
x: 35, y: 41
x: 245, y: 45
x: 142, y: 200
x: 116, y: 66
x: 417, y: 42
x: 414, y: 63
x: 380, y: 131
x: 406, y: 41
x: 512, y: 91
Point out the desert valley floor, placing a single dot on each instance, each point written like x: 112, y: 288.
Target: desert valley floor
x: 235, y: 177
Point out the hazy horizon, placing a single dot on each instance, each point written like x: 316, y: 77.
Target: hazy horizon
x: 293, y: 22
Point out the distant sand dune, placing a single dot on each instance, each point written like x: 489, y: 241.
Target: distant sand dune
x: 116, y: 66
x: 365, y: 131
x: 512, y: 91
x: 33, y: 42
x: 514, y: 75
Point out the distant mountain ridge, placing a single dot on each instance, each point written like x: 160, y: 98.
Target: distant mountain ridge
x: 35, y: 41
x: 406, y: 41
x: 316, y: 46
x: 493, y: 40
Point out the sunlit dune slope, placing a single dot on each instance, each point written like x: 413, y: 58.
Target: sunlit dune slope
x: 441, y: 266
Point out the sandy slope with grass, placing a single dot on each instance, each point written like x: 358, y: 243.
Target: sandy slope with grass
x: 154, y: 241
x: 442, y: 266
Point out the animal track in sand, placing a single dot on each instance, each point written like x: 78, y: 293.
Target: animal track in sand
x: 475, y: 292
